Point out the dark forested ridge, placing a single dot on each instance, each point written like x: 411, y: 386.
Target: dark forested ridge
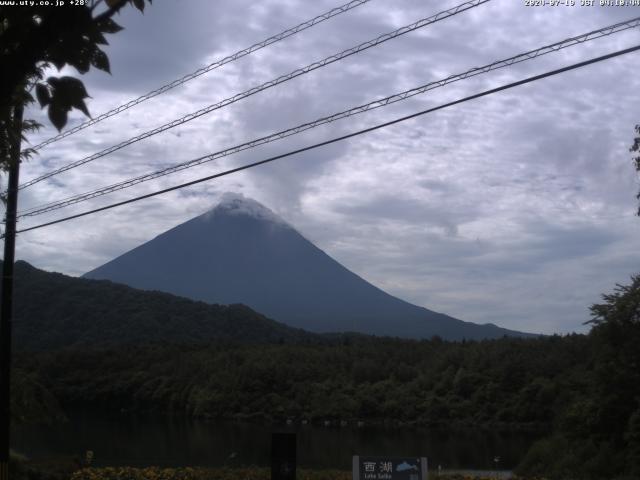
x: 52, y: 310
x: 166, y: 354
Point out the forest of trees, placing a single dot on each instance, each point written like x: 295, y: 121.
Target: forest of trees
x: 597, y: 434
x: 509, y: 383
x: 52, y: 311
x: 553, y: 384
x: 581, y: 391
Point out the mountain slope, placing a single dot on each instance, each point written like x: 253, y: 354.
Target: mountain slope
x: 241, y: 252
x: 52, y: 310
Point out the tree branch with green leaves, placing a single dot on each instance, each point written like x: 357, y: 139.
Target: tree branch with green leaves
x: 35, y: 39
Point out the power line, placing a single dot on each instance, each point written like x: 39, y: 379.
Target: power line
x: 343, y: 137
x: 618, y: 27
x: 272, y: 83
x: 212, y: 66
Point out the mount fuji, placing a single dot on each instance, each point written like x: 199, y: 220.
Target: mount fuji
x: 242, y: 252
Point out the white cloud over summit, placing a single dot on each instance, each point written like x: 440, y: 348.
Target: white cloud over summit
x: 233, y: 203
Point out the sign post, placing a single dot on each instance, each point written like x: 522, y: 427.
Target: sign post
x: 389, y: 468
x: 283, y: 456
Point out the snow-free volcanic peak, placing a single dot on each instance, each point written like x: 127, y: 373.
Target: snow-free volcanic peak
x: 242, y: 252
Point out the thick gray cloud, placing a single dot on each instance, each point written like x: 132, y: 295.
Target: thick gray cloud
x: 515, y: 209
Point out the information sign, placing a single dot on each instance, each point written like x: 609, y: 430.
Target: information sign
x: 389, y: 468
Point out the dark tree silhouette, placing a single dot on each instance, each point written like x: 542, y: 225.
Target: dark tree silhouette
x: 636, y: 149
x: 32, y: 39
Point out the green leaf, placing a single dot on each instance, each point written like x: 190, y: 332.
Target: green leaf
x: 109, y: 26
x: 82, y: 61
x: 73, y: 85
x: 101, y: 61
x: 67, y: 93
x: 30, y: 125
x: 58, y: 116
x: 42, y: 93
x: 80, y: 105
x: 58, y: 62
x: 96, y: 36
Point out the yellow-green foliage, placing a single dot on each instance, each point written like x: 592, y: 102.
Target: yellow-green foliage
x: 191, y: 473
x: 196, y: 473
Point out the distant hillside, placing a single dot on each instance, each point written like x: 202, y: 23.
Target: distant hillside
x: 241, y: 252
x: 52, y: 310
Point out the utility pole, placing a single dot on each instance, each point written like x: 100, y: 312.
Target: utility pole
x: 6, y: 308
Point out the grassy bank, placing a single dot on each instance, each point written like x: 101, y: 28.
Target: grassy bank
x: 253, y: 473
x: 41, y: 472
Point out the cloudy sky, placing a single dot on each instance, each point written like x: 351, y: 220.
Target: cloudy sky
x: 516, y: 209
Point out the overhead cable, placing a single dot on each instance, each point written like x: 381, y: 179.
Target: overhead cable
x: 201, y: 71
x: 618, y: 27
x: 272, y: 83
x: 338, y: 139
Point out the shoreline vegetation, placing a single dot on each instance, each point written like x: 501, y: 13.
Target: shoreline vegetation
x: 242, y: 473
x: 514, y: 384
x: 584, y: 389
x: 72, y: 469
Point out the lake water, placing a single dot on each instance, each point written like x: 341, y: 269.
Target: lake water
x: 139, y: 440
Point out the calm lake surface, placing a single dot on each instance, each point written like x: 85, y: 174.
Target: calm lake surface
x: 144, y: 440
